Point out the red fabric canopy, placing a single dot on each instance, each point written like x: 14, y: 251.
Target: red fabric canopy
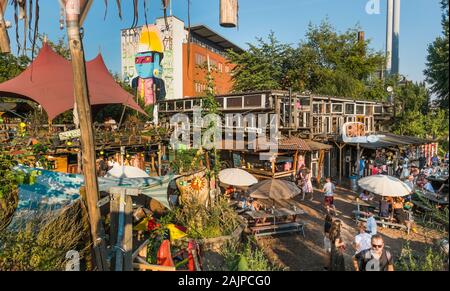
x: 49, y: 82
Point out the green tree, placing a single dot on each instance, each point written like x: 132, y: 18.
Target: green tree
x: 326, y: 62
x: 417, y: 117
x: 60, y: 46
x: 11, y: 66
x: 437, y: 71
x: 262, y: 66
x: 412, y: 106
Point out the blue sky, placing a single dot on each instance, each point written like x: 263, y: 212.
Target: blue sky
x: 420, y: 24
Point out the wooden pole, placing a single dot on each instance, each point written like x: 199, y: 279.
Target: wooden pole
x: 87, y: 131
x: 311, y: 118
x: 341, y: 147
x: 358, y: 159
x: 159, y: 160
x: 4, y: 38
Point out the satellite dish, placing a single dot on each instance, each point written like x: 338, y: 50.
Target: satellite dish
x: 390, y: 89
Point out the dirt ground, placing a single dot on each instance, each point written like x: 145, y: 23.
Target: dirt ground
x: 307, y: 254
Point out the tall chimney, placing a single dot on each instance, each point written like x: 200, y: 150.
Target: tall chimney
x: 389, y: 22
x: 396, y: 39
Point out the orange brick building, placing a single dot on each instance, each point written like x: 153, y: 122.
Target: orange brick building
x: 206, y: 47
x: 183, y: 80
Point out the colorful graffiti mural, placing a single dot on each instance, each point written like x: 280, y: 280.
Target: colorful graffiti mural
x: 150, y: 53
x: 355, y: 132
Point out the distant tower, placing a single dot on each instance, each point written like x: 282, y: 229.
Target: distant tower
x: 396, y: 39
x: 389, y: 23
x: 393, y: 37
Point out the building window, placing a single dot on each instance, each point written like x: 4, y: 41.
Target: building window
x: 220, y: 67
x: 213, y: 64
x: 350, y: 108
x: 227, y: 69
x: 360, y: 109
x: 336, y: 108
x: 200, y: 59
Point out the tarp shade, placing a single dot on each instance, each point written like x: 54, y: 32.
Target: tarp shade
x: 391, y: 140
x: 49, y: 82
x: 53, y: 190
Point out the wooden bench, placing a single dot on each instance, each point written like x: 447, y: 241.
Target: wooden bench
x: 278, y: 229
x: 383, y: 223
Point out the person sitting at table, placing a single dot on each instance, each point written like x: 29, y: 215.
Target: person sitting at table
x: 415, y: 172
x: 384, y: 208
x: 420, y: 181
x: 229, y: 192
x: 399, y: 213
x: 410, y: 183
x: 427, y: 171
x: 366, y: 196
x: 428, y: 187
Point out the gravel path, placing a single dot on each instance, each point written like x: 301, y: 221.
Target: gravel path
x: 307, y: 254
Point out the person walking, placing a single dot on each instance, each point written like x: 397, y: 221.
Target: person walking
x: 328, y: 190
x: 337, y: 262
x: 307, y: 185
x: 326, y: 240
x: 362, y: 240
x: 377, y: 258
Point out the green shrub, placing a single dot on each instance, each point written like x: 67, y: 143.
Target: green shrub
x: 207, y: 222
x: 433, y: 260
x: 42, y: 241
x: 246, y: 257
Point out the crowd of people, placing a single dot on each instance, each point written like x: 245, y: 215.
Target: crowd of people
x: 370, y: 253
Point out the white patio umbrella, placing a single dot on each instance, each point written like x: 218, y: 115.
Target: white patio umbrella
x: 385, y: 186
x: 126, y: 172
x: 237, y: 178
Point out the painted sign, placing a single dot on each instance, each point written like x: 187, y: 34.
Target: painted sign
x: 70, y: 134
x: 254, y: 130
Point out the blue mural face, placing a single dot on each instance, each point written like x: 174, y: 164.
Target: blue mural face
x: 145, y: 65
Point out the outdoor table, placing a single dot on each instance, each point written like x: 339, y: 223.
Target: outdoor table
x: 258, y: 216
x: 432, y: 197
x: 440, y: 179
x: 362, y: 205
x: 264, y: 229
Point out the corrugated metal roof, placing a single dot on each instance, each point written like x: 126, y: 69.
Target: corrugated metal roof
x: 294, y: 143
x: 212, y: 36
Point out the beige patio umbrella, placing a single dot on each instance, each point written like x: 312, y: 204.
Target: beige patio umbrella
x: 385, y: 186
x: 274, y: 189
x: 237, y: 178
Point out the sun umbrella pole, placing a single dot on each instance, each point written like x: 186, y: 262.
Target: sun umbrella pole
x: 73, y: 15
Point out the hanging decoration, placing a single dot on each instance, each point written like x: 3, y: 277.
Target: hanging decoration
x: 26, y: 11
x: 229, y: 13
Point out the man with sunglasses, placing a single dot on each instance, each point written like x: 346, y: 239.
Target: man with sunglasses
x: 376, y: 258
